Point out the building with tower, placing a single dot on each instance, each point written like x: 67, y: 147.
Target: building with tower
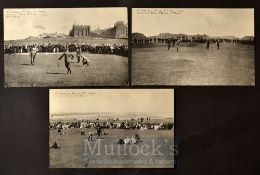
x: 80, y: 31
x: 118, y: 31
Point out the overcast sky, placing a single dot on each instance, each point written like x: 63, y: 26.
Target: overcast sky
x: 112, y: 100
x: 213, y: 22
x: 20, y: 23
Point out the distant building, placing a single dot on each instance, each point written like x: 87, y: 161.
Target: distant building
x: 120, y: 30
x: 80, y: 31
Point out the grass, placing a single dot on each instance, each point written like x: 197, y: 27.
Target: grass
x: 103, y: 70
x: 233, y: 64
x: 71, y: 151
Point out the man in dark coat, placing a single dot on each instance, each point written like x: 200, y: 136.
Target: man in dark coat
x: 218, y: 44
x: 67, y: 59
x: 207, y: 47
x: 168, y: 43
x: 99, y: 130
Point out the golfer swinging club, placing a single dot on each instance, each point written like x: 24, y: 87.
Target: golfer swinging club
x: 67, y: 58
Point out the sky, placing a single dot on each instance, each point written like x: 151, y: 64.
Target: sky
x: 213, y: 22
x: 112, y: 100
x: 21, y: 23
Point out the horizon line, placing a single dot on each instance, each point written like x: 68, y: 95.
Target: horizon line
x: 195, y: 34
x: 68, y: 113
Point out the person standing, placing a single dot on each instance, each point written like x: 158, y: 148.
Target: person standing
x: 78, y: 54
x: 168, y: 43
x: 177, y: 45
x: 33, y: 54
x: 67, y: 60
x: 173, y: 42
x: 218, y: 44
x: 207, y: 47
x: 99, y: 130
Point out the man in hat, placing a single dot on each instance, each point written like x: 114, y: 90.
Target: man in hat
x: 67, y: 60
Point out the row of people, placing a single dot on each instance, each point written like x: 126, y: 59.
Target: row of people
x: 113, y: 125
x: 117, y: 49
x: 146, y: 41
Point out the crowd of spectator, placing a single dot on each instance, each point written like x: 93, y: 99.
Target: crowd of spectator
x: 113, y: 124
x: 117, y: 49
x: 147, y: 41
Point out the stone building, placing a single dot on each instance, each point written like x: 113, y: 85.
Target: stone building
x: 80, y: 31
x: 119, y: 30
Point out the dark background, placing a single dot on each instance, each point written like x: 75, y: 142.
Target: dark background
x: 217, y: 127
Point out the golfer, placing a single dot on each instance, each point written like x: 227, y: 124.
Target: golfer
x: 67, y: 60
x: 33, y: 54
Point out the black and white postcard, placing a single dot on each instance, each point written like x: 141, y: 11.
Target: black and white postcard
x: 193, y: 46
x: 111, y: 128
x: 65, y: 47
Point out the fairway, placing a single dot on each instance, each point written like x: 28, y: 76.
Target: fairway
x: 104, y: 69
x: 233, y: 64
x: 70, y: 153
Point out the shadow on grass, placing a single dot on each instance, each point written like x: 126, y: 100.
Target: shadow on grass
x: 54, y: 73
x: 78, y: 66
x: 54, y: 148
x: 26, y: 64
